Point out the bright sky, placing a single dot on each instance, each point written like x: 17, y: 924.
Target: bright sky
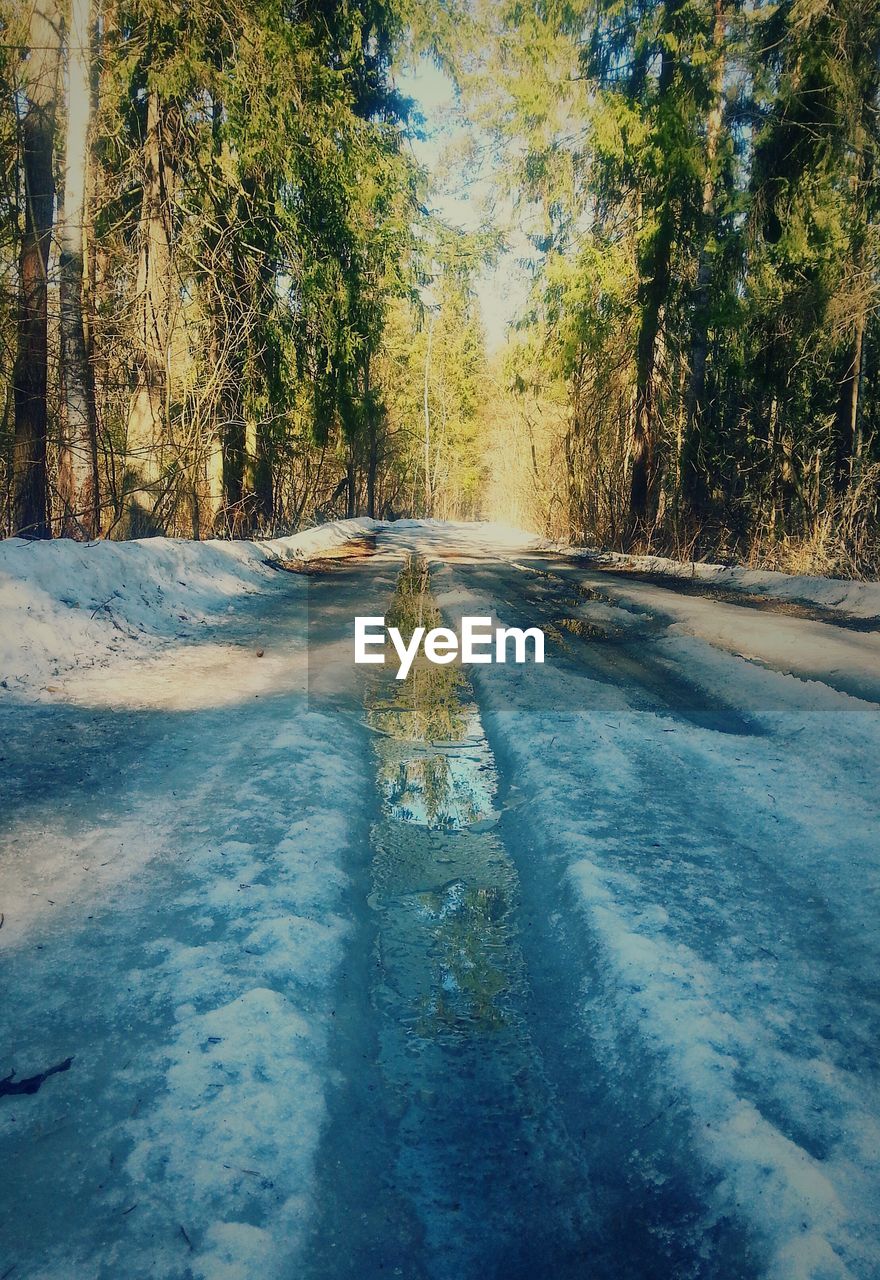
x: 460, y: 200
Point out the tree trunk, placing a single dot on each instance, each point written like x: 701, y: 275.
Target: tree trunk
x: 256, y: 292
x: 653, y: 294
x: 79, y: 453
x: 259, y: 474
x: 846, y: 418
x: 372, y: 468
x: 30, y: 374
x: 655, y: 275
x: 234, y: 449
x: 350, y: 486
x: 373, y: 443
x: 147, y: 408
x: 428, y: 490
x: 211, y: 524
x: 692, y: 479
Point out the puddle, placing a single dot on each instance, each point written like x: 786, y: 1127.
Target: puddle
x: 480, y: 1151
x: 475, y: 1129
x: 624, y: 658
x: 578, y: 592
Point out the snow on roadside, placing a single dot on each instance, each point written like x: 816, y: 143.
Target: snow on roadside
x: 192, y: 980
x: 731, y: 912
x: 843, y: 595
x: 176, y: 905
x: 65, y: 605
x: 858, y: 599
x: 846, y: 659
x: 231, y: 1141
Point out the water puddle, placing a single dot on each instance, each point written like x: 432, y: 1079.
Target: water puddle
x: 624, y: 657
x: 480, y: 1150
x: 477, y: 1129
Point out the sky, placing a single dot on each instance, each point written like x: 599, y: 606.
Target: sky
x: 459, y: 200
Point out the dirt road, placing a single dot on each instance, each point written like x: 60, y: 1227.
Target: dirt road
x: 518, y: 971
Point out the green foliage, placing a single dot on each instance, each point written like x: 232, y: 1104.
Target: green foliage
x: 435, y: 345
x: 699, y: 184
x: 706, y: 273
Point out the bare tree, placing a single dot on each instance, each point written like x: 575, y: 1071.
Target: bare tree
x: 692, y: 478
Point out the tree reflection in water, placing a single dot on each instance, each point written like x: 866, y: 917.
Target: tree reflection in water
x: 429, y: 733
x: 474, y: 1121
x: 451, y: 888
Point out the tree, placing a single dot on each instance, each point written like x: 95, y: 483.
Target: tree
x: 705, y: 270
x: 861, y: 93
x: 79, y: 452
x: 693, y: 478
x: 30, y: 376
x: 154, y: 301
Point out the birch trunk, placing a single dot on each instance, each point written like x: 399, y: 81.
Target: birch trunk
x: 79, y: 452
x: 30, y: 516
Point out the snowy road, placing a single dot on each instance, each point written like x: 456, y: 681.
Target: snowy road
x: 613, y: 1013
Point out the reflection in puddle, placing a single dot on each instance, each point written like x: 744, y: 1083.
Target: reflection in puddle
x: 479, y: 1142
x: 438, y: 783
x: 577, y: 592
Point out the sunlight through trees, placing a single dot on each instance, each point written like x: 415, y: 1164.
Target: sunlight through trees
x: 222, y: 266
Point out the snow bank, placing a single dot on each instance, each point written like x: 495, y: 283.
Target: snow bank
x: 859, y: 599
x: 232, y: 1138
x: 193, y: 978
x: 66, y: 604
x: 844, y: 659
x: 727, y: 917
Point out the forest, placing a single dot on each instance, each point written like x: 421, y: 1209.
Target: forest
x: 229, y: 306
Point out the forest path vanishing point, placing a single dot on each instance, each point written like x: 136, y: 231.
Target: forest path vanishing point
x: 510, y: 972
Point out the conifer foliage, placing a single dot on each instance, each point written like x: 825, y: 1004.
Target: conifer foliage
x: 706, y: 278
x: 225, y: 309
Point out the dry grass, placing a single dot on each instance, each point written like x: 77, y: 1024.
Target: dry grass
x: 843, y: 541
